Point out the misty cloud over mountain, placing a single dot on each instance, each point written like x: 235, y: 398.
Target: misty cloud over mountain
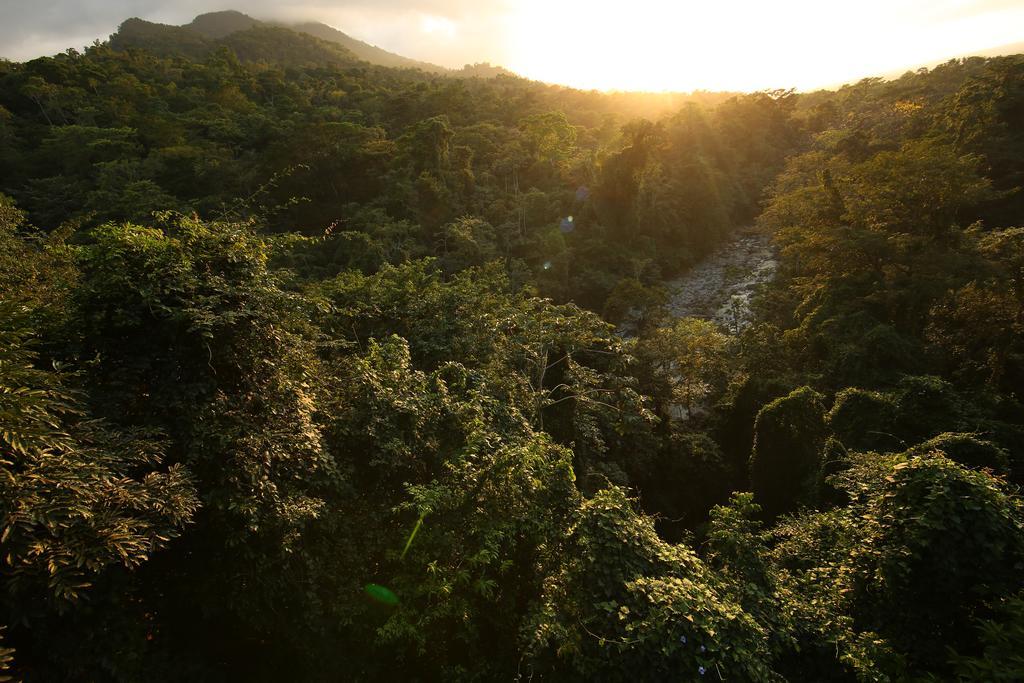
x: 450, y: 33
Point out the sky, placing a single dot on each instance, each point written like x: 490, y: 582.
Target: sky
x: 606, y: 44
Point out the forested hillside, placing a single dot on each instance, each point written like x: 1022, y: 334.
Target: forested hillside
x: 313, y: 369
x: 204, y: 34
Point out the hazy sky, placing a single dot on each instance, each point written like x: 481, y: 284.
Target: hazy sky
x: 623, y: 44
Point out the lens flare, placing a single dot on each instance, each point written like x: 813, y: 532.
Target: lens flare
x: 381, y: 594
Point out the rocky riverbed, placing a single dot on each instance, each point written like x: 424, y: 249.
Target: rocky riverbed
x: 722, y: 286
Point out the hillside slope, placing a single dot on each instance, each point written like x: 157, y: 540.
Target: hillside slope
x: 305, y: 42
x: 364, y: 51
x: 258, y: 43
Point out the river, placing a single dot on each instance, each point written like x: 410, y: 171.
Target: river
x: 722, y: 286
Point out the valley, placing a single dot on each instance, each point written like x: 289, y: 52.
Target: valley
x: 319, y: 363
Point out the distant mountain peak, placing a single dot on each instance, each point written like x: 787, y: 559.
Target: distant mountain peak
x: 257, y: 40
x: 253, y: 41
x: 223, y: 23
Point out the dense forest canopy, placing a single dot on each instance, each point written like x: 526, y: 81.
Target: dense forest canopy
x: 313, y: 368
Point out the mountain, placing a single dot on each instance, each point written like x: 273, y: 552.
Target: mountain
x: 365, y: 51
x: 257, y: 43
x: 303, y: 42
x: 220, y: 24
x: 160, y: 39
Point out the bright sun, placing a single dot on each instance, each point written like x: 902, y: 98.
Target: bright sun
x: 742, y: 45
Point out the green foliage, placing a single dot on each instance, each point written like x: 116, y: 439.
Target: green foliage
x: 684, y: 363
x: 937, y: 172
x: 625, y: 605
x: 735, y: 414
x: 925, y: 404
x: 77, y: 496
x: 786, y: 463
x: 630, y: 302
x: 493, y: 527
x: 736, y: 550
x: 467, y: 242
x: 266, y: 122
x: 808, y: 558
x: 1002, y: 640
x: 921, y: 408
x: 193, y: 335
x: 939, y: 543
x: 684, y: 479
x: 882, y: 587
x: 549, y: 137
x: 339, y: 407
x: 978, y: 327
x: 36, y: 271
x: 966, y: 449
x: 250, y: 42
x: 864, y: 420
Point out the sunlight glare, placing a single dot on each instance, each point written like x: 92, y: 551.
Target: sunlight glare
x: 740, y: 45
x: 438, y: 26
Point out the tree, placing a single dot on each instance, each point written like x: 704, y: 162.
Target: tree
x: 466, y: 242
x: 624, y: 605
x: 921, y: 578
x: 550, y: 139
x: 76, y: 496
x: 785, y: 464
x: 195, y: 337
x: 686, y: 361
